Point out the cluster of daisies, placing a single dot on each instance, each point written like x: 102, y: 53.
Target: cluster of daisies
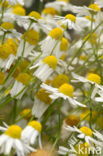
x: 51, y: 79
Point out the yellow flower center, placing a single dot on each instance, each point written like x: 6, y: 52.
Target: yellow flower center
x: 24, y: 78
x: 51, y: 61
x: 7, y: 25
x: 9, y: 47
x: 14, y: 131
x: 31, y: 36
x: 71, y: 17
x: 19, y: 10
x: 64, y: 44
x: 50, y: 11
x: 44, y: 96
x: 66, y: 89
x: 56, y: 33
x: 2, y: 78
x: 35, y: 14
x: 94, y: 7
x: 72, y: 120
x: 94, y: 77
x: 36, y: 125
x: 59, y: 80
x: 87, y: 131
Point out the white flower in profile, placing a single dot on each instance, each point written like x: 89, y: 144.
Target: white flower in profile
x: 94, y: 9
x: 58, y: 5
x: 45, y: 67
x: 19, y: 87
x: 11, y: 140
x: 41, y: 103
x: 51, y: 41
x: 65, y: 91
x: 31, y: 132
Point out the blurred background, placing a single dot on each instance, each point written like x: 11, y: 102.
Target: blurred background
x: 35, y: 4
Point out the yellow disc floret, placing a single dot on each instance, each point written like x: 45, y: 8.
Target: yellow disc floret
x: 87, y: 131
x: 50, y: 11
x: 19, y: 10
x: 66, y: 89
x: 71, y: 17
x: 35, y: 14
x: 31, y: 36
x: 51, y: 61
x: 56, y: 33
x: 43, y: 96
x: 36, y: 125
x: 94, y: 7
x: 94, y: 77
x: 59, y: 80
x: 24, y: 78
x: 64, y: 45
x: 7, y: 25
x: 14, y: 131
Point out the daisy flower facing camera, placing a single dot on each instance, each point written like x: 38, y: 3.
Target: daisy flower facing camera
x: 65, y: 91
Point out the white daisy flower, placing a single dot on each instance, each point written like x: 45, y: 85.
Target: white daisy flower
x: 11, y: 139
x: 85, y: 133
x: 72, y: 22
x: 65, y: 91
x: 41, y: 103
x: 92, y: 78
x: 51, y: 41
x: 22, y: 80
x: 31, y: 132
x: 45, y: 67
x: 86, y: 11
x: 29, y: 39
x: 8, y: 53
x: 58, y: 5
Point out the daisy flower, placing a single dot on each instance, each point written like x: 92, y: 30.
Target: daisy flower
x: 85, y: 133
x: 58, y: 5
x: 51, y: 41
x: 86, y: 11
x: 29, y: 39
x: 72, y: 22
x: 31, y: 132
x: 8, y: 53
x: 65, y: 91
x: 11, y: 139
x: 45, y: 67
x: 41, y: 103
x: 22, y: 80
x: 91, y: 78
